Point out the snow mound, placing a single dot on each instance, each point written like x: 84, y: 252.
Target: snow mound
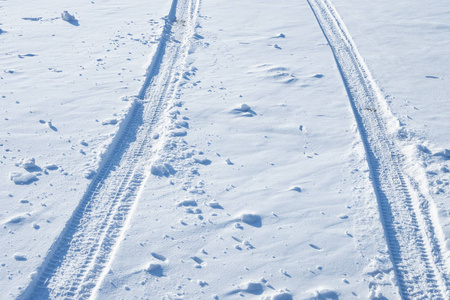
x: 16, y: 220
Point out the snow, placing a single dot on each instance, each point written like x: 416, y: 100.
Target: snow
x: 201, y: 150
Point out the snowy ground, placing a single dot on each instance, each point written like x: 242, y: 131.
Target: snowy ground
x: 219, y: 150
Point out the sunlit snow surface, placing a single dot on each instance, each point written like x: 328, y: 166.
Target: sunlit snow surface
x: 256, y: 181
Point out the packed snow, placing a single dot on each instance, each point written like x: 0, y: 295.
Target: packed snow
x: 231, y: 149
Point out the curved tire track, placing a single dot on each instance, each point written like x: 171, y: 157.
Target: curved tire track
x: 77, y: 260
x: 412, y: 232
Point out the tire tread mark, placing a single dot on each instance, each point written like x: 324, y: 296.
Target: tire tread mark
x: 412, y: 235
x: 77, y: 259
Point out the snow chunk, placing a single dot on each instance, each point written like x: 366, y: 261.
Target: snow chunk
x: 20, y: 178
x: 89, y: 174
x: 176, y: 133
x: 28, y: 163
x: 254, y: 288
x: 324, y: 294
x: 202, y: 283
x: 282, y: 296
x: 66, y: 16
x: 183, y: 124
x: 423, y: 148
x: 215, y: 205
x: 162, y: 170
x: 443, y: 152
x: 110, y: 121
x: 187, y: 203
x: 203, y: 161
x: 51, y: 167
x: 243, y: 110
x: 296, y: 189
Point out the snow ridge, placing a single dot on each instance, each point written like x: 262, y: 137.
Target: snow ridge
x: 80, y: 256
x: 412, y: 230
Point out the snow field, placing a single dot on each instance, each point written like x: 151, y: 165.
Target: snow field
x: 302, y: 210
x: 204, y: 150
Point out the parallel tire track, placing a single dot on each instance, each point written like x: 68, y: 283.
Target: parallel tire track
x: 412, y: 232
x: 78, y: 258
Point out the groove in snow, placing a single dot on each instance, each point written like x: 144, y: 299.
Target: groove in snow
x: 412, y: 231
x: 79, y: 258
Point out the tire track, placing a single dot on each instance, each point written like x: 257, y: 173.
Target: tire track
x: 412, y: 232
x: 77, y: 260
